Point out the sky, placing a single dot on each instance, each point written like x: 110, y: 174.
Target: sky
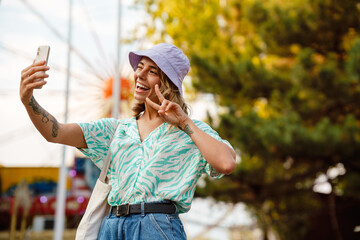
x: 27, y: 24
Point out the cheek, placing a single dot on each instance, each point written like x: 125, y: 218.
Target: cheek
x: 154, y: 81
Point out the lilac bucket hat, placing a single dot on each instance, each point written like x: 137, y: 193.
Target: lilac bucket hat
x: 170, y: 59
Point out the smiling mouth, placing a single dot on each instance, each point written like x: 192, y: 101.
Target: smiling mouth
x: 141, y: 87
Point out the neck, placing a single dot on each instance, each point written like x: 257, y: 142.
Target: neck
x: 151, y: 114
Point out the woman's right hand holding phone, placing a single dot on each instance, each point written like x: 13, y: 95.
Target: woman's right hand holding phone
x: 70, y: 134
x: 32, y: 78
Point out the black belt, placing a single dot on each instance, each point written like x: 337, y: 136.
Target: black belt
x: 127, y: 209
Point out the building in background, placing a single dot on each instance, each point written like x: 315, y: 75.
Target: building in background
x: 42, y: 183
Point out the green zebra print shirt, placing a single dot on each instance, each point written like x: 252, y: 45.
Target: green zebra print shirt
x: 165, y: 166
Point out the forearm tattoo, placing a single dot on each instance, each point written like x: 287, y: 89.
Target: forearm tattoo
x: 187, y: 129
x: 46, y: 117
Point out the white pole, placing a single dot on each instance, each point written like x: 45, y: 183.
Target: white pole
x: 117, y: 81
x: 61, y: 187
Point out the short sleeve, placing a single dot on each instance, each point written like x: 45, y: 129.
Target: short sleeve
x: 209, y: 170
x: 98, y: 135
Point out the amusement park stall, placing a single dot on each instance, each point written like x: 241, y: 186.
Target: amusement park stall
x: 41, y: 183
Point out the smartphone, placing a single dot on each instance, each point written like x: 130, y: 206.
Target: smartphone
x: 41, y: 55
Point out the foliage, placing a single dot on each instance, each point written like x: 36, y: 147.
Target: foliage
x: 287, y: 74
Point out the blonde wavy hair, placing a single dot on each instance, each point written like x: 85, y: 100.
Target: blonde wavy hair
x: 169, y: 91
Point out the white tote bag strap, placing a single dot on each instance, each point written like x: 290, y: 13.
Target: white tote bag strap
x: 107, y: 161
x: 97, y: 207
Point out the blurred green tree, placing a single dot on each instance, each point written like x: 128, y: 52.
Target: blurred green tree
x: 287, y: 77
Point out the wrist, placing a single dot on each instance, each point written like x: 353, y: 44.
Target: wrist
x: 185, y: 126
x: 26, y: 100
x: 184, y: 122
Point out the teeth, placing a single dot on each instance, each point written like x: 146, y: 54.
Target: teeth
x: 142, y: 86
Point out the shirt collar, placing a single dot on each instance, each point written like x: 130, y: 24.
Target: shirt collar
x: 131, y: 129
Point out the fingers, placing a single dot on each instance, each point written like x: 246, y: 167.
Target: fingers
x: 152, y: 104
x: 34, y: 77
x: 165, y: 106
x: 158, y: 93
x: 27, y: 86
x: 33, y: 70
x: 41, y: 63
x: 164, y: 103
x: 37, y: 84
x: 34, y: 81
x: 167, y: 110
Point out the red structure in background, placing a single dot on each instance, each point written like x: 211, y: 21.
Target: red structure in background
x: 46, y: 205
x: 44, y: 196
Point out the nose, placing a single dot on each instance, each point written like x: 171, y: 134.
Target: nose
x: 140, y: 73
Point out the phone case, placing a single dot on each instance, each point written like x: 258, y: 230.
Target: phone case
x: 41, y: 55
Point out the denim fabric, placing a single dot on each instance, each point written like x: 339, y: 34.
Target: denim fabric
x: 151, y: 226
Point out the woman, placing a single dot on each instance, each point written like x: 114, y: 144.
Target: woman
x: 157, y: 156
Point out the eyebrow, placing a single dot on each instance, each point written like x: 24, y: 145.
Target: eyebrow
x: 151, y: 66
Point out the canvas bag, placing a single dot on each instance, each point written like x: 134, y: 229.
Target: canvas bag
x: 97, y: 207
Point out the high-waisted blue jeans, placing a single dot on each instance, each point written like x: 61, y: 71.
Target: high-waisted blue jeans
x: 150, y: 226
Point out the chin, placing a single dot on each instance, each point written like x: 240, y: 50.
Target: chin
x: 139, y: 99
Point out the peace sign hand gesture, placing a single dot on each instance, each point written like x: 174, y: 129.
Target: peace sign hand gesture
x: 169, y: 111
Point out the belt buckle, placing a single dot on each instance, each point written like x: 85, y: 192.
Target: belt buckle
x: 127, y: 213
x: 123, y: 213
